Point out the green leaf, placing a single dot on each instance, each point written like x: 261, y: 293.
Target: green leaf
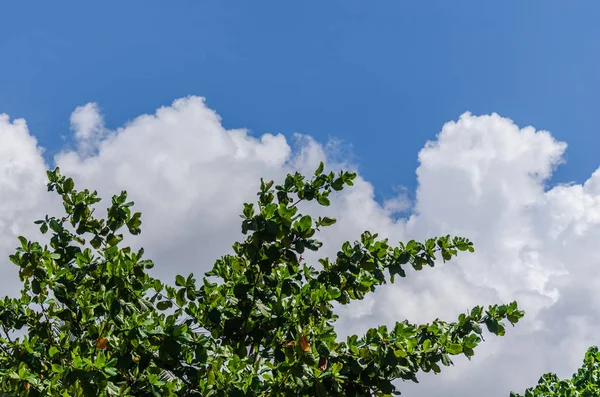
x: 210, y: 380
x: 305, y: 223
x: 320, y: 169
x: 334, y: 292
x: 35, y: 287
x: 55, y: 226
x: 336, y: 368
x: 24, y: 242
x: 454, y: 348
x: 180, y: 281
x: 52, y: 351
x: 426, y: 345
x: 68, y: 185
x: 96, y: 242
x: 164, y: 305
x: 324, y: 201
x: 326, y: 221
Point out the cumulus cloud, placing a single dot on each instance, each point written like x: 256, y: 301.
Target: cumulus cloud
x: 22, y: 191
x: 87, y: 125
x: 482, y: 177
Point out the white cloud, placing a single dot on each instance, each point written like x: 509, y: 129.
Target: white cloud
x: 22, y: 192
x: 88, y: 126
x: 483, y: 177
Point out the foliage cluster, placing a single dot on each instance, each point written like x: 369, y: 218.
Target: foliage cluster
x: 91, y: 321
x: 584, y: 383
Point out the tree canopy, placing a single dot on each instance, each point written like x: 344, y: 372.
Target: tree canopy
x: 584, y: 383
x: 91, y: 321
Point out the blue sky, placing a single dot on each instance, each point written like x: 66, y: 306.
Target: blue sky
x: 383, y: 77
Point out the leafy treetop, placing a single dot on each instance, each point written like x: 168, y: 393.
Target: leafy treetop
x: 584, y: 383
x: 91, y: 321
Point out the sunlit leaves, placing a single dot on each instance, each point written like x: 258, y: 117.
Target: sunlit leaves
x: 259, y: 323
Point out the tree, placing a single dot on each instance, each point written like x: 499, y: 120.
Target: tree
x: 91, y: 321
x: 584, y: 383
